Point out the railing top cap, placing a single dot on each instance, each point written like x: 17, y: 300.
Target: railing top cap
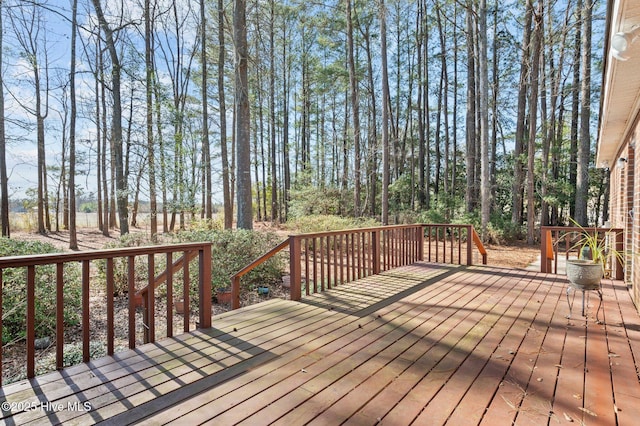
x: 61, y: 257
x: 580, y: 229
x: 379, y: 228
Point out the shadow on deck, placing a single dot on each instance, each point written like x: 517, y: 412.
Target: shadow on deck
x: 422, y: 344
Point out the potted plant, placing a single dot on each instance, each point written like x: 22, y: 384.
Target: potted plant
x: 223, y: 295
x: 586, y: 272
x: 179, y: 305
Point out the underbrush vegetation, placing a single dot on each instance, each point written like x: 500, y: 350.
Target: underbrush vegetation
x: 321, y: 223
x: 14, y: 303
x: 231, y: 250
x: 234, y: 249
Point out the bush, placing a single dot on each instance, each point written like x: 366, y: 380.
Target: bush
x: 234, y: 249
x: 14, y: 303
x: 310, y: 201
x: 322, y: 223
x: 120, y: 264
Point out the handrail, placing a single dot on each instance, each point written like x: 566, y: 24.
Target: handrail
x: 478, y: 242
x: 162, y: 277
x: 551, y: 236
x: 325, y: 259
x: 30, y: 262
x: 235, y: 279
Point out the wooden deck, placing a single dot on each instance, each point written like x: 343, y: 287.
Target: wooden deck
x: 424, y: 344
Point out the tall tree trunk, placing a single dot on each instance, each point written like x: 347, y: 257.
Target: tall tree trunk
x: 385, y: 113
x: 242, y: 123
x: 575, y: 109
x: 4, y: 185
x: 533, y: 113
x: 421, y: 40
x: 355, y: 107
x: 584, y: 144
x: 227, y: 199
x: 73, y: 236
x: 148, y: 57
x: 485, y: 178
x: 286, y: 161
x: 116, y: 127
x: 272, y: 114
x: 206, y: 149
x: 518, y: 166
x: 373, y: 139
x: 470, y: 195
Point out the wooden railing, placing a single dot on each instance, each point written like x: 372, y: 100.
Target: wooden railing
x: 557, y: 241
x: 320, y: 261
x: 235, y: 279
x: 447, y: 243
x: 87, y: 259
x: 323, y: 260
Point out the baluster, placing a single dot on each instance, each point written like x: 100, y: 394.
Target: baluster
x: 59, y: 316
x: 110, y: 307
x: 169, y: 272
x: 86, y: 336
x: 31, y: 326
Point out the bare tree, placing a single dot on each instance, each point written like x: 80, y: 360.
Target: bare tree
x: 73, y: 237
x: 31, y: 35
x: 116, y: 122
x: 4, y: 186
x: 149, y: 67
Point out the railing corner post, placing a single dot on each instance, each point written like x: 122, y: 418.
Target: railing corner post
x: 235, y: 292
x: 543, y: 250
x: 295, y: 268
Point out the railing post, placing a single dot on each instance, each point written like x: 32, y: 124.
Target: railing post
x: 546, y: 250
x: 543, y: 250
x: 294, y: 268
x: 60, y: 316
x: 235, y: 292
x: 469, y: 245
x: 31, y: 322
x: 205, y: 286
x: 619, y: 249
x: 86, y: 335
x: 131, y: 280
x: 150, y: 302
x: 375, y: 251
x: 421, y: 242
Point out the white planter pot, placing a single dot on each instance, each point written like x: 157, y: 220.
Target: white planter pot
x: 584, y: 274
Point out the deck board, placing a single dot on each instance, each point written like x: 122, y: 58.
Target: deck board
x: 422, y: 344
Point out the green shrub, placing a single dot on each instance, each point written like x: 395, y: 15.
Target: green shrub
x: 322, y: 223
x: 310, y: 201
x: 120, y: 264
x: 14, y: 303
x: 234, y: 249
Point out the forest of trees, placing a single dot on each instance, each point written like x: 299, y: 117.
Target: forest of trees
x: 427, y: 109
